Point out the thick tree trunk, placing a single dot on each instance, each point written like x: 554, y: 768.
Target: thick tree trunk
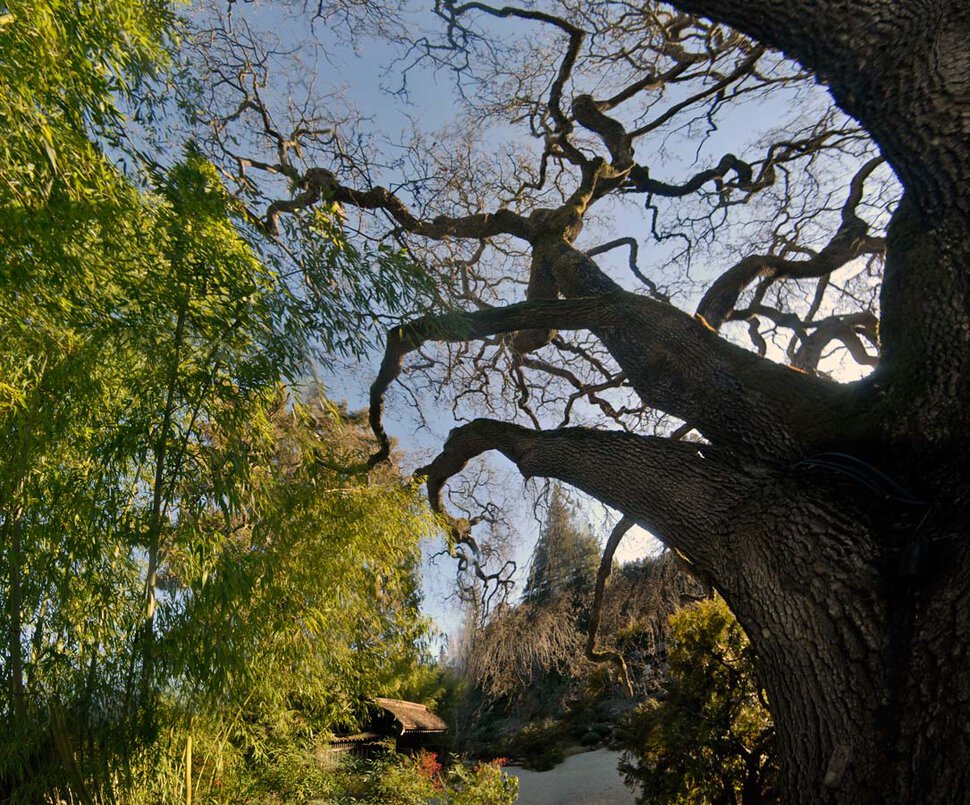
x: 925, y: 335
x: 819, y: 622
x: 862, y: 620
x: 862, y: 639
x: 933, y: 760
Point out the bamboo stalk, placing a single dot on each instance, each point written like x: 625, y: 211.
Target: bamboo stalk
x: 188, y: 770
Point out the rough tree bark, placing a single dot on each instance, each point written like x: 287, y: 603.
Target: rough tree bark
x: 834, y: 518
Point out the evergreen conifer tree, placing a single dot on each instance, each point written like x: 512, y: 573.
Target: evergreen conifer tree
x: 566, y: 556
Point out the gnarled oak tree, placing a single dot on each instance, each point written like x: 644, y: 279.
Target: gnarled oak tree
x: 831, y: 515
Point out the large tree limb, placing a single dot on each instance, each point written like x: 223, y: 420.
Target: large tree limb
x: 611, y: 131
x: 579, y: 314
x: 673, y: 361
x: 678, y: 364
x: 677, y: 490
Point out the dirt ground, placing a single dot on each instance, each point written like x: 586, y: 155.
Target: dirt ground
x: 587, y: 779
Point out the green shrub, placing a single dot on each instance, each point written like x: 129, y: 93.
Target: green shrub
x: 540, y: 745
x: 402, y: 780
x: 590, y: 738
x: 710, y: 738
x: 482, y: 784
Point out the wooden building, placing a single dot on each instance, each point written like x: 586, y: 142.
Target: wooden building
x: 413, y: 725
x: 395, y: 726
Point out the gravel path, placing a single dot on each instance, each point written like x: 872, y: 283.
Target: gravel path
x: 587, y: 779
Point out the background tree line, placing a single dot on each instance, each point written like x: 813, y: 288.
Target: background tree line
x: 691, y: 720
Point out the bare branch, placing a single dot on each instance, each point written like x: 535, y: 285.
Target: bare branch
x: 634, y: 248
x: 576, y: 36
x: 641, y: 182
x: 846, y: 330
x: 319, y: 184
x: 850, y: 241
x: 566, y: 65
x: 605, y: 568
x: 744, y: 68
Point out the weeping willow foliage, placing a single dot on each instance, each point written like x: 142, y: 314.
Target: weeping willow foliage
x: 282, y: 615
x: 176, y: 559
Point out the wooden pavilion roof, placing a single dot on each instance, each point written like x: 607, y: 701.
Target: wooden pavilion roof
x: 412, y: 717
